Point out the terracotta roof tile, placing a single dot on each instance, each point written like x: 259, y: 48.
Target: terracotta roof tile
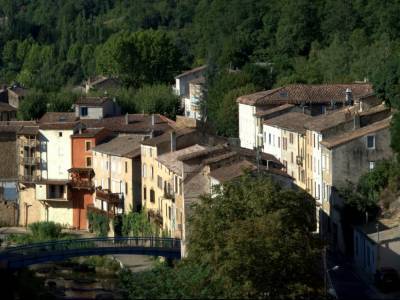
x: 306, y: 93
x: 232, y: 171
x: 324, y: 122
x: 292, y: 121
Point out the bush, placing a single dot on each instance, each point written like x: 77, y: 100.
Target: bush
x: 98, y: 223
x: 45, y: 230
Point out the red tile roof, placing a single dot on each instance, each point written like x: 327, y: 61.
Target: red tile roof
x: 306, y: 93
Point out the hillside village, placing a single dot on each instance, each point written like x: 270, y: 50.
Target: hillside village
x: 95, y: 160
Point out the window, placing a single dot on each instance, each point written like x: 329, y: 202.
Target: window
x: 144, y: 170
x: 371, y: 142
x: 144, y: 193
x: 175, y: 184
x: 314, y: 139
x: 180, y: 186
x: 60, y: 134
x: 169, y: 213
x: 371, y: 165
x: 126, y: 188
x: 159, y: 182
x: 84, y: 111
x: 284, y: 143
x: 269, y: 139
x: 150, y: 152
x: 152, y: 196
x: 291, y: 157
x: 126, y: 167
x: 279, y: 141
x: 285, y: 164
x: 152, y: 172
x: 291, y: 138
x: 88, y: 161
x: 88, y: 145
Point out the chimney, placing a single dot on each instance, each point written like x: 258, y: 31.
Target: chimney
x: 152, y: 120
x: 126, y: 119
x: 173, y: 141
x: 349, y: 96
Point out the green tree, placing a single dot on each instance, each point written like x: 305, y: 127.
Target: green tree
x: 33, y: 106
x: 138, y: 58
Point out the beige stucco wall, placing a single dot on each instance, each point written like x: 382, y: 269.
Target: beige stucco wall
x: 60, y: 212
x: 35, y: 208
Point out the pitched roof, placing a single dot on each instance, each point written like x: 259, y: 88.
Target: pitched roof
x: 137, y: 123
x: 166, y: 137
x: 229, y: 172
x: 88, y: 132
x: 54, y: 117
x: 346, y: 137
x: 265, y: 113
x: 28, y: 130
x: 306, y: 93
x: 292, y: 121
x: 58, y: 126
x: 326, y: 121
x: 192, y: 71
x: 93, y: 101
x: 119, y: 146
x: 5, y: 107
x: 14, y: 126
x: 172, y: 159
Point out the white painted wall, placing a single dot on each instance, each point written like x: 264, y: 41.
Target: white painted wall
x: 56, y: 156
x: 61, y: 212
x: 247, y: 126
x: 275, y: 147
x: 41, y: 191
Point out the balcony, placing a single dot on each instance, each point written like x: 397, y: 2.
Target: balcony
x: 299, y: 160
x: 107, y: 195
x: 156, y: 217
x: 31, y: 161
x: 29, y: 178
x: 81, y: 184
x: 30, y: 143
x: 81, y: 178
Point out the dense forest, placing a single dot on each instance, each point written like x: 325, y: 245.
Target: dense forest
x: 51, y: 44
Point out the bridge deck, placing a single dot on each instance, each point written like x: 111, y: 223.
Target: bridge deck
x: 25, y: 255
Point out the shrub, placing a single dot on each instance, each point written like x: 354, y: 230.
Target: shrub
x: 45, y: 230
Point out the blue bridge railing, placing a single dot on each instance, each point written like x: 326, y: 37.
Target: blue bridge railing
x: 24, y: 255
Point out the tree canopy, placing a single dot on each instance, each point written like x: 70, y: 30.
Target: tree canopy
x: 252, y: 239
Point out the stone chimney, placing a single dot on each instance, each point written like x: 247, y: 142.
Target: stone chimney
x: 173, y: 141
x: 126, y: 119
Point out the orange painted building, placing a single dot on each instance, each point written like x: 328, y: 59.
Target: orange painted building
x: 81, y: 173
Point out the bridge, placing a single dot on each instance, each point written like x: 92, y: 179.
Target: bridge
x: 30, y: 254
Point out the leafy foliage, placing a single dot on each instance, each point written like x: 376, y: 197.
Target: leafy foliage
x: 251, y: 240
x: 98, y: 223
x: 136, y: 224
x: 39, y: 232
